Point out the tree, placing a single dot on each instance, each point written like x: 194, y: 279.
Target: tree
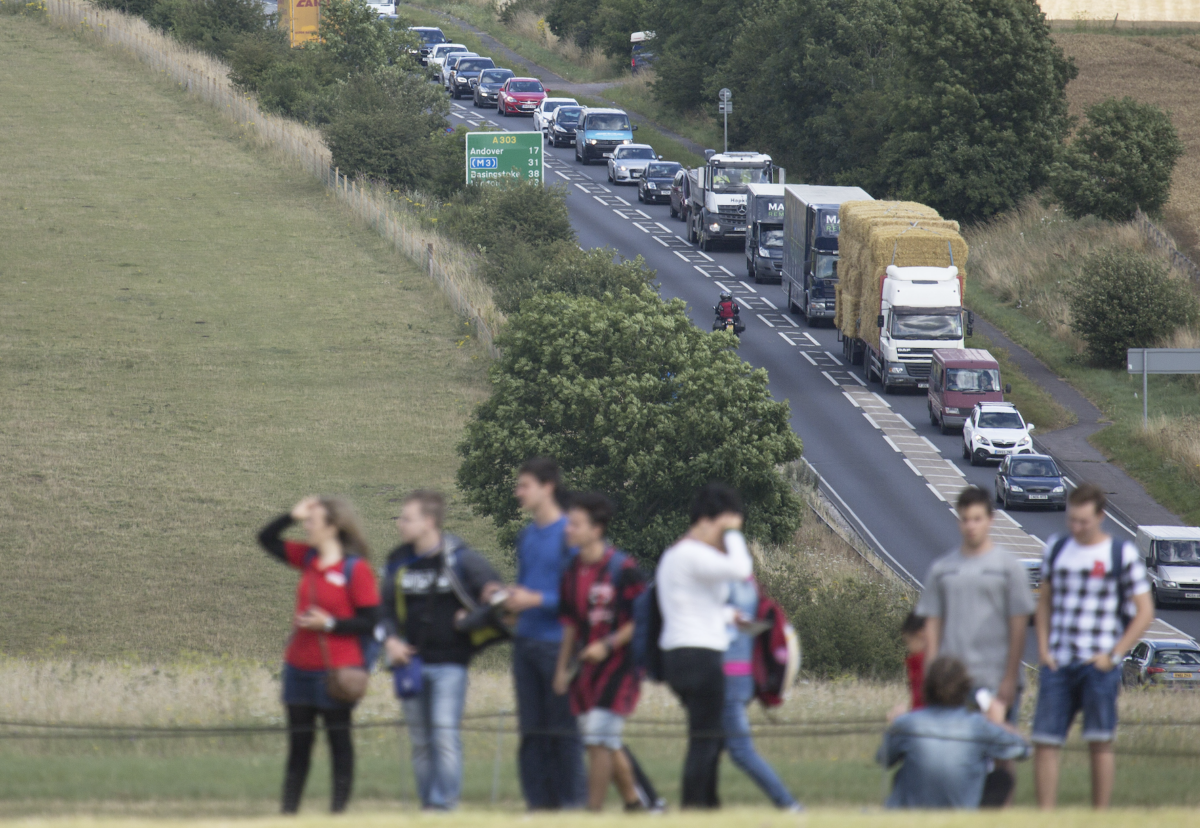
x: 573, y: 20
x: 635, y: 401
x: 1121, y: 159
x: 383, y: 125
x: 980, y: 110
x: 353, y: 34
x: 1124, y: 299
x: 693, y: 38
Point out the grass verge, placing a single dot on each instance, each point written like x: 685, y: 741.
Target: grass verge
x: 192, y: 336
x: 1034, y: 403
x: 635, y: 93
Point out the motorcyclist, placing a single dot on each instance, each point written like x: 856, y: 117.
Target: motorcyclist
x: 727, y: 308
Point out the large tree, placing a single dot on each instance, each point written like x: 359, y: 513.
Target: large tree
x: 635, y: 401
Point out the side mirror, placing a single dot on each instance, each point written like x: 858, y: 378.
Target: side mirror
x: 970, y: 322
x: 1007, y: 388
x: 1030, y: 426
x: 633, y: 128
x: 879, y: 321
x: 659, y: 157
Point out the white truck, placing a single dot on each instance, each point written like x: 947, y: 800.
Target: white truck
x: 717, y: 195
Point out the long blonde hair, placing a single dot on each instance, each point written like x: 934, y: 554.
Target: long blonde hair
x: 339, y: 513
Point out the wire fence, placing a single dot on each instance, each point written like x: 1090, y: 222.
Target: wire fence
x: 1162, y: 241
x: 449, y: 265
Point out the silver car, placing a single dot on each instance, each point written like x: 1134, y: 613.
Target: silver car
x: 628, y: 163
x: 448, y: 66
x: 1168, y: 662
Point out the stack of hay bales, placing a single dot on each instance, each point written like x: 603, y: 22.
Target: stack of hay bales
x: 875, y: 234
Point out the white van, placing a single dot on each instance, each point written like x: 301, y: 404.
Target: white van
x: 1172, y: 556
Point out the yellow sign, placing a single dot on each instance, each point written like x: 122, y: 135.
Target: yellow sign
x: 300, y: 19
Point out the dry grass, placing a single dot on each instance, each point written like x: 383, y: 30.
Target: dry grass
x: 1106, y: 11
x: 1176, y: 437
x: 533, y: 27
x: 192, y: 336
x: 1164, y: 71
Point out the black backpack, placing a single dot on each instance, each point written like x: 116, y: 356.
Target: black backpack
x: 1115, y: 568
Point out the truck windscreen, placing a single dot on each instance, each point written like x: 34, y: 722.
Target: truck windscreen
x: 926, y: 326
x: 1178, y: 552
x: 772, y: 239
x: 735, y: 179
x: 972, y: 380
x: 824, y: 266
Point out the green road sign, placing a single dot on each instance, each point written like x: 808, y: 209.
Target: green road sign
x: 499, y: 155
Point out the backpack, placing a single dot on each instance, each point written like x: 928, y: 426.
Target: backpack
x: 647, y: 628
x: 370, y: 643
x: 1115, y: 568
x: 775, y: 654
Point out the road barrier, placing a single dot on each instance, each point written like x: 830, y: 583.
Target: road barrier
x: 201, y: 75
x: 1163, y: 242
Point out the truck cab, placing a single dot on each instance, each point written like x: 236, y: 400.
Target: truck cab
x: 764, y: 232
x: 959, y: 378
x: 718, y: 195
x: 1172, y: 557
x: 920, y: 310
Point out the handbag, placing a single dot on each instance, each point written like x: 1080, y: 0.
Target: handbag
x: 409, y: 679
x: 343, y: 684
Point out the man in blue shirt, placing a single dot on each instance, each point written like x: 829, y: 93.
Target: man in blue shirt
x: 944, y: 747
x: 550, y: 757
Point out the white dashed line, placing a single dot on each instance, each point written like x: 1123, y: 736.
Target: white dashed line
x: 809, y: 337
x: 727, y: 271
x: 836, y: 361
x: 895, y: 447
x: 771, y: 305
x: 870, y: 419
x: 853, y: 401
x: 810, y: 359
x: 937, y: 493
x: 747, y: 287
x: 786, y: 338
x: 929, y: 443
x: 767, y: 323
x: 915, y: 470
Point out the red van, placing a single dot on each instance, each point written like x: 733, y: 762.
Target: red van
x: 960, y: 378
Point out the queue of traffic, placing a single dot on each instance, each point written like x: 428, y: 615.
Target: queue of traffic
x: 889, y: 276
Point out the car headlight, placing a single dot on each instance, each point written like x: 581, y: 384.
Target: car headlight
x: 1057, y: 490
x: 461, y: 80
x: 897, y: 369
x: 592, y: 141
x: 651, y: 186
x: 1013, y: 487
x: 627, y: 141
x: 1170, y: 584
x: 623, y: 169
x: 985, y: 441
x: 949, y: 410
x: 762, y: 251
x: 714, y: 227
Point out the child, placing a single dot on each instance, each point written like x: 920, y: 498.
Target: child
x: 596, y: 608
x: 913, y: 633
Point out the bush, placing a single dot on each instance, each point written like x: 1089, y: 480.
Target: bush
x: 1121, y: 159
x: 520, y: 272
x: 1123, y: 299
x: 383, y: 124
x: 499, y: 215
x: 635, y: 401
x: 853, y: 627
x: 213, y: 26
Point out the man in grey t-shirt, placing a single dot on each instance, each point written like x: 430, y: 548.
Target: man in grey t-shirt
x: 977, y: 605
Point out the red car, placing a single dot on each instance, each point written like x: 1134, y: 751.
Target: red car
x: 520, y: 96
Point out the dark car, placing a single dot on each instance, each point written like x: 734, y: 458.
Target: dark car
x: 430, y: 37
x: 1030, y: 480
x: 679, y: 196
x: 562, y: 131
x: 466, y: 75
x: 520, y: 96
x: 1164, y: 662
x: 490, y: 81
x: 655, y: 185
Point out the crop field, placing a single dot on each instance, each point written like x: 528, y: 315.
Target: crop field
x: 192, y: 336
x: 1160, y: 70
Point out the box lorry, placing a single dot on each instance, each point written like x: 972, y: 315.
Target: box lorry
x: 810, y: 247
x: 717, y: 195
x: 764, y: 232
x: 959, y: 378
x: 900, y: 290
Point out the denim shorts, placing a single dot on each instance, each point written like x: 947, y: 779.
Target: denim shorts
x: 602, y: 728
x: 306, y: 688
x: 1062, y: 693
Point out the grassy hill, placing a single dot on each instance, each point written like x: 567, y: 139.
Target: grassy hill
x: 191, y: 338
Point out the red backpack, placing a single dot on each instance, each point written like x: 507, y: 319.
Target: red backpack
x: 775, y: 657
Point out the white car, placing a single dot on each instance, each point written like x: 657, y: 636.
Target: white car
x: 384, y: 8
x: 543, y: 116
x: 448, y: 66
x: 437, y: 55
x: 995, y: 430
x: 628, y: 163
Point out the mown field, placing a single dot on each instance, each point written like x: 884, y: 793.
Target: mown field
x: 192, y: 336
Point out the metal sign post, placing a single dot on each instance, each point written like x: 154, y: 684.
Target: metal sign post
x: 1146, y: 361
x: 493, y: 156
x: 724, y: 107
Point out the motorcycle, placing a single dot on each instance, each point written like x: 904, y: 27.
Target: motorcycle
x: 732, y: 324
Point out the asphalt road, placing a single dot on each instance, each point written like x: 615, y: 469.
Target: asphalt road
x: 871, y: 482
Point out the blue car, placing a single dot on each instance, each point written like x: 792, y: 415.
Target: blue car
x: 1030, y: 480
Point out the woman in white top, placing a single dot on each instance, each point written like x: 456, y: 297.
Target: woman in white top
x: 693, y: 594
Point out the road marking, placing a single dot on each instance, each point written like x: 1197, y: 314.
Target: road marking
x: 938, y: 495
x: 929, y: 443
x: 727, y: 271
x: 809, y: 337
x: 1010, y: 517
x: 884, y: 402
x: 772, y: 305
x: 710, y: 258
x: 853, y: 401
x: 915, y: 470
x: 956, y: 469
x: 647, y: 216
x: 663, y: 226
x: 810, y: 359
x: 786, y: 338
x: 895, y: 447
x: 836, y: 361
x: 870, y: 419
x: 746, y: 286
x: 858, y: 379
x: 906, y: 422
x: 768, y: 323
x: 564, y: 175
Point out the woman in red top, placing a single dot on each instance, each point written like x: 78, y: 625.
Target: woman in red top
x: 337, y: 603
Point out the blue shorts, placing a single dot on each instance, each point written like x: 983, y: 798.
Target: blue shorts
x: 601, y: 728
x: 306, y: 688
x: 1062, y: 693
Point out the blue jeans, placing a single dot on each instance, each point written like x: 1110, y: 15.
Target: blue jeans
x: 1062, y: 693
x: 433, y: 719
x: 550, y: 758
x: 739, y: 692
